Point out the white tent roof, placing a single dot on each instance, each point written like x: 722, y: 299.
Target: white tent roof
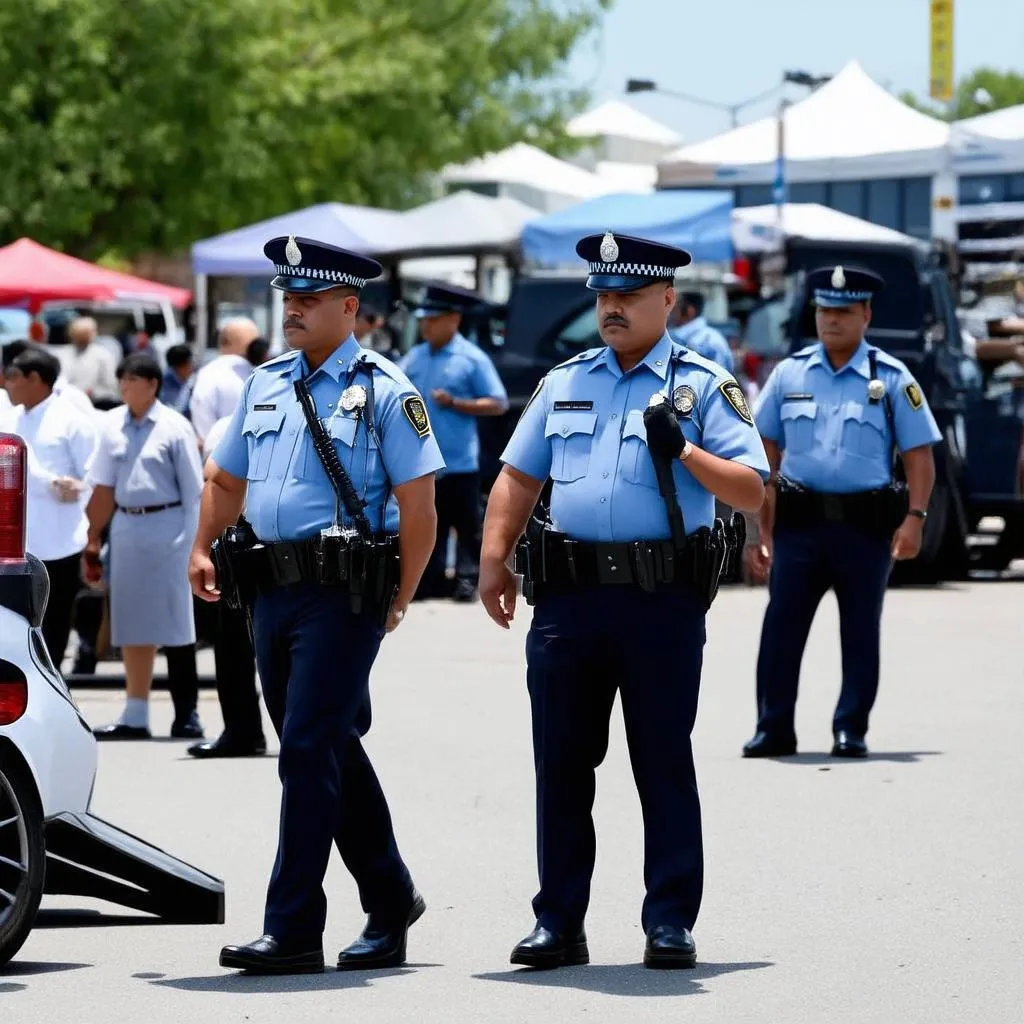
x: 523, y: 164
x: 619, y: 177
x: 621, y: 121
x: 850, y: 118
x: 1007, y: 123
x: 755, y: 228
x: 463, y: 222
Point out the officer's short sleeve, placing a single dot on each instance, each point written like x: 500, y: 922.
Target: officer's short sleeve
x: 232, y: 451
x: 410, y: 448
x: 486, y: 382
x: 915, y: 424
x: 768, y: 408
x: 529, y: 450
x: 728, y: 428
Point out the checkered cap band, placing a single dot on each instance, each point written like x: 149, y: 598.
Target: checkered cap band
x: 633, y: 269
x: 316, y: 274
x: 841, y: 295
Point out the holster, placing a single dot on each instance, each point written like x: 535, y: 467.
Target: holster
x: 226, y: 552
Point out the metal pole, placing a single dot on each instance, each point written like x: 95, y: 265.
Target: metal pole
x: 780, y: 175
x: 202, y: 327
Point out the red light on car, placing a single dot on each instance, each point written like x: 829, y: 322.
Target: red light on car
x: 13, y: 485
x: 13, y: 701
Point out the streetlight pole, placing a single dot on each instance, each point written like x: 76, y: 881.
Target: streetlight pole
x: 634, y: 85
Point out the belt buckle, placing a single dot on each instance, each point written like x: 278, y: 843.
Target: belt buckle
x: 613, y: 564
x: 832, y: 507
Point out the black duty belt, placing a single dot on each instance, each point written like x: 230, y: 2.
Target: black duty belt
x: 145, y: 510
x: 879, y: 510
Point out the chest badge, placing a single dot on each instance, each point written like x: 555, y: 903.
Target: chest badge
x: 876, y: 390
x: 353, y: 397
x: 683, y: 399
x: 656, y: 399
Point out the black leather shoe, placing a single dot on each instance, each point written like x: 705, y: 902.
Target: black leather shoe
x: 117, y: 731
x: 225, y: 746
x: 382, y: 943
x: 766, y: 745
x: 849, y: 744
x: 546, y: 949
x: 189, y: 729
x: 465, y: 592
x: 266, y: 955
x: 670, y: 947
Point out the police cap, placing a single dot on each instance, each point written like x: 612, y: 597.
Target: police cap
x: 305, y: 265
x: 839, y: 286
x: 622, y: 263
x: 440, y: 297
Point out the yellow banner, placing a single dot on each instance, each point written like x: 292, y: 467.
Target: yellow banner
x: 941, y: 86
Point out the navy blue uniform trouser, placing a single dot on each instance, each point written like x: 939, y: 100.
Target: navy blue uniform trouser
x: 314, y: 658
x: 457, y: 501
x: 807, y: 563
x: 582, y: 647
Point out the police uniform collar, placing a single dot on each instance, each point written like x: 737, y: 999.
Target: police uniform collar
x: 336, y: 365
x: 657, y: 360
x: 858, y: 361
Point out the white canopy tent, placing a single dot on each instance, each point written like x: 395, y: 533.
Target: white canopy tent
x: 619, y: 120
x: 1007, y: 123
x: 755, y: 229
x: 849, y: 128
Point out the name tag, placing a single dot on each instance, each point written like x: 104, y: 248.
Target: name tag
x: 798, y: 397
x: 573, y: 406
x: 264, y: 408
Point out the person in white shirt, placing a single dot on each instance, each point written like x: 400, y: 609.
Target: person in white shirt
x: 219, y: 383
x: 61, y: 443
x: 75, y: 396
x: 89, y: 366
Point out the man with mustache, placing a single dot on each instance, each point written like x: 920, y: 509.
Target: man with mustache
x: 832, y: 417
x: 331, y: 453
x: 638, y: 437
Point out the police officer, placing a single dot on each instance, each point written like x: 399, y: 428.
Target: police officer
x: 314, y: 650
x: 459, y: 382
x: 688, y: 327
x: 617, y: 605
x: 830, y: 417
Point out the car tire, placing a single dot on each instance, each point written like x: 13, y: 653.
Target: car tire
x: 22, y: 854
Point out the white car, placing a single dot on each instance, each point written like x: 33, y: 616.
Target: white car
x: 49, y: 842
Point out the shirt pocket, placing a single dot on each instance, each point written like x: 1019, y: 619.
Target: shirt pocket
x: 864, y: 430
x: 261, y: 431
x: 634, y: 456
x: 798, y: 419
x: 571, y: 437
x: 353, y: 447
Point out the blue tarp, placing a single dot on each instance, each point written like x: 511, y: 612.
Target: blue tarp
x: 697, y: 220
x: 359, y: 228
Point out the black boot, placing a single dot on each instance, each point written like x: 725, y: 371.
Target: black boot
x: 266, y: 955
x: 383, y: 941
x: 670, y: 947
x: 545, y: 948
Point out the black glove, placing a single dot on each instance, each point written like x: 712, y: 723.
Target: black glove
x: 664, y: 435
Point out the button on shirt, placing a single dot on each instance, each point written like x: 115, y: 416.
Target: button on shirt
x: 464, y: 371
x: 585, y: 429
x: 833, y: 437
x: 267, y: 443
x: 217, y: 389
x: 700, y: 337
x: 61, y: 441
x: 149, y: 461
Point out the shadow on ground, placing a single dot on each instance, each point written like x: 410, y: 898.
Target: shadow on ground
x: 824, y: 758
x: 244, y: 984
x: 623, y: 979
x: 91, y: 919
x: 25, y: 968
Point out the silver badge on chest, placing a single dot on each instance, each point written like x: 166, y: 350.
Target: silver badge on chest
x: 353, y: 397
x: 876, y: 390
x: 656, y: 399
x: 683, y: 400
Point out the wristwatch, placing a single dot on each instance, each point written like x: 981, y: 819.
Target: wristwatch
x: 920, y: 513
x: 687, y: 450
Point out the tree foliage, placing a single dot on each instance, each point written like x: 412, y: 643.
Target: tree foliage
x: 980, y: 92
x: 145, y: 124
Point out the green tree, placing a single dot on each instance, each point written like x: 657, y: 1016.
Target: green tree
x: 136, y: 125
x: 981, y: 92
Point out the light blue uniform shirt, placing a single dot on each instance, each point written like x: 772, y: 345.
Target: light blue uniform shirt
x: 464, y: 371
x: 584, y: 428
x: 700, y: 337
x: 833, y: 437
x: 267, y: 443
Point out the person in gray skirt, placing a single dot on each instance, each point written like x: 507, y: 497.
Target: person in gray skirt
x: 147, y: 479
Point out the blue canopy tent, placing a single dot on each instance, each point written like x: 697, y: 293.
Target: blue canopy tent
x: 697, y: 220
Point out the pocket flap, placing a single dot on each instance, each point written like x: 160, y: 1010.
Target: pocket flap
x: 855, y: 412
x: 635, y: 425
x: 565, y: 424
x: 796, y: 410
x: 259, y: 423
x: 343, y: 429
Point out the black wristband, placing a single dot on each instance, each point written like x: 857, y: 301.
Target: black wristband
x: 917, y: 512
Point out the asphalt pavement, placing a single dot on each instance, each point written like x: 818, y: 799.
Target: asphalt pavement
x: 889, y: 891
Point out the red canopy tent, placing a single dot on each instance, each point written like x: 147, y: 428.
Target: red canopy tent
x: 31, y: 274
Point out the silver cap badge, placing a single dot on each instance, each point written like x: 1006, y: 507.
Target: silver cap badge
x: 353, y: 397
x: 609, y: 248
x: 292, y: 253
x: 838, y: 278
x: 876, y: 389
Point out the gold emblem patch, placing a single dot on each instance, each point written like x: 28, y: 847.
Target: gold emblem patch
x: 914, y: 396
x: 734, y: 396
x: 416, y: 413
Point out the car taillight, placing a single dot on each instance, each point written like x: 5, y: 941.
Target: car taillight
x: 13, y: 701
x: 13, y: 486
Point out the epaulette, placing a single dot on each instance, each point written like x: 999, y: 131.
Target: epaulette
x: 281, y: 360
x: 581, y: 357
x: 375, y: 361
x: 805, y: 352
x: 687, y: 355
x: 887, y: 360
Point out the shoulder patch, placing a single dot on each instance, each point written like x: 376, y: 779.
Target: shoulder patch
x: 733, y: 394
x: 416, y: 413
x: 914, y: 396
x: 536, y: 391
